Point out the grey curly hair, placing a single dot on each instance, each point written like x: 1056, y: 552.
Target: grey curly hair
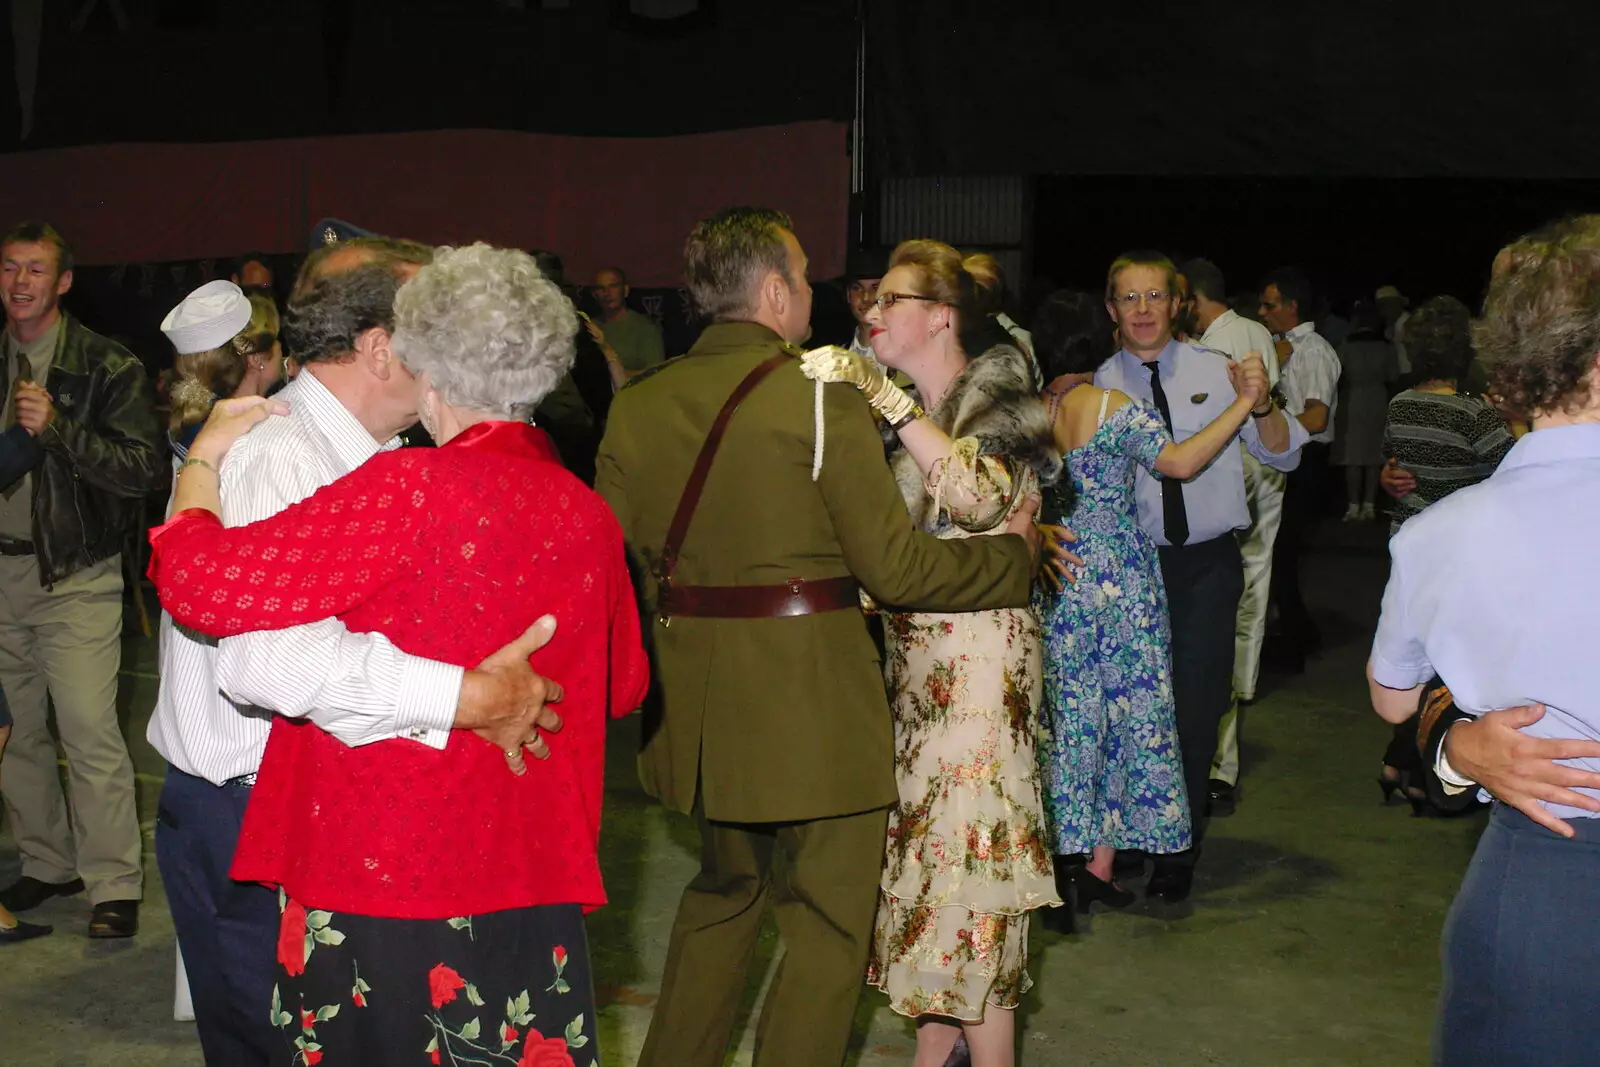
x: 492, y: 333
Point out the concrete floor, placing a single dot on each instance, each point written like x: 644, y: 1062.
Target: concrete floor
x: 1313, y: 939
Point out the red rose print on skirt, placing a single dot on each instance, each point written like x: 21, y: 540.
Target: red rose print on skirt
x: 442, y: 985
x: 292, y: 939
x: 541, y: 1051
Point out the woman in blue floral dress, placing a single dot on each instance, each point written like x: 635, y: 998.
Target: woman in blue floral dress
x: 1108, y: 742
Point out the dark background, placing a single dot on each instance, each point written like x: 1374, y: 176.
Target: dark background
x: 1370, y: 141
x: 1425, y: 236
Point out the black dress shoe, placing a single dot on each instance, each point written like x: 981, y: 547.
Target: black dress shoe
x: 10, y: 935
x: 114, y: 918
x: 1170, y: 885
x: 27, y: 893
x: 1091, y: 889
x: 1221, y: 797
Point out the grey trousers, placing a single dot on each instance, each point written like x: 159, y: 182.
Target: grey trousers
x: 65, y: 644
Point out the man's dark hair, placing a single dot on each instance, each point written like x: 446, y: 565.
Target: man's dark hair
x: 550, y: 265
x: 1071, y: 334
x: 324, y: 320
x: 622, y: 275
x: 1205, y: 279
x: 728, y: 253
x: 397, y: 252
x: 41, y: 233
x: 1294, y: 287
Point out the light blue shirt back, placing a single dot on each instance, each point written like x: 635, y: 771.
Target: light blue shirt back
x: 1198, y: 391
x: 1495, y: 589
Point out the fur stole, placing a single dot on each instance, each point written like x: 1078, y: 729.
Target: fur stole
x: 994, y: 401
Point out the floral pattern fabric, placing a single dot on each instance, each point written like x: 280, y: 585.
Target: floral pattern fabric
x: 1108, y: 742
x: 509, y: 988
x: 967, y: 857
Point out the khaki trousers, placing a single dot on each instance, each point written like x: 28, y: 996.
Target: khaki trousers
x: 65, y: 644
x: 1263, y: 489
x: 824, y: 902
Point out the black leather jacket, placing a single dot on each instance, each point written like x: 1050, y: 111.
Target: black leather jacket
x: 100, y: 456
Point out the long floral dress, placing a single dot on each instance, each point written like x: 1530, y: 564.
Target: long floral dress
x: 1108, y: 740
x: 967, y: 856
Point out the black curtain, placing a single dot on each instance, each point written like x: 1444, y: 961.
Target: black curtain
x: 199, y: 70
x: 1423, y: 88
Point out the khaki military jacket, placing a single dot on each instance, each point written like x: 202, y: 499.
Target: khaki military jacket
x: 778, y: 719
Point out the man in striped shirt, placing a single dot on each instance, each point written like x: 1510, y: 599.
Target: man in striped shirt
x: 218, y: 699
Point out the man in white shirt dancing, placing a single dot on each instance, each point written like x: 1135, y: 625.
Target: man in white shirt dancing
x: 1224, y: 330
x: 1309, y: 376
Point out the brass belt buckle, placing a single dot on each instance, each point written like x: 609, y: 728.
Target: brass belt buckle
x: 663, y: 587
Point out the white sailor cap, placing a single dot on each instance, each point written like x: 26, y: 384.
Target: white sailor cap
x: 208, y: 318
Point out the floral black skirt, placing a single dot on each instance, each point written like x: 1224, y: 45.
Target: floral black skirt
x: 508, y: 988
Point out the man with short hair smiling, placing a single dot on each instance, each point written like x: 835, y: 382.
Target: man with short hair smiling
x: 1193, y: 523
x: 62, y: 529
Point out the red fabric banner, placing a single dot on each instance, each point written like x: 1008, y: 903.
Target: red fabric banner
x: 597, y: 201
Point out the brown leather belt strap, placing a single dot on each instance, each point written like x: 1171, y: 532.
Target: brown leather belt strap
x: 797, y: 597
x: 702, y: 466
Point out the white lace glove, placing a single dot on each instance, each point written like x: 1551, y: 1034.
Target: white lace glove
x: 835, y: 364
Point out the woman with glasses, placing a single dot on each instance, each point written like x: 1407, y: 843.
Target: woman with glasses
x: 967, y: 857
x: 1109, y: 747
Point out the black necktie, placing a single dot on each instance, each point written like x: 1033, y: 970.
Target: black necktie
x: 1173, y: 513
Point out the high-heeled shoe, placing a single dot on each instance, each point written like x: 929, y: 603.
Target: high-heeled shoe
x: 1391, y: 786
x: 1089, y: 889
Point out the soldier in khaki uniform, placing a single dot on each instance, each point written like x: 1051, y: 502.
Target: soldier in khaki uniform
x: 775, y: 729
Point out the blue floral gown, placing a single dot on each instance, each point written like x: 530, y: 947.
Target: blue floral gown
x: 1108, y: 740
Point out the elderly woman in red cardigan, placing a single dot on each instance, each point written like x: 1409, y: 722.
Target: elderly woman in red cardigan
x: 432, y: 900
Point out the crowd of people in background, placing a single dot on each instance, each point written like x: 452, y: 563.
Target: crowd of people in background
x: 1077, y: 533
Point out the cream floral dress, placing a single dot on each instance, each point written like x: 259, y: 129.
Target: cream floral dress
x: 968, y: 856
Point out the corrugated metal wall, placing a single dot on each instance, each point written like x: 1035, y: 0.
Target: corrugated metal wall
x: 991, y: 214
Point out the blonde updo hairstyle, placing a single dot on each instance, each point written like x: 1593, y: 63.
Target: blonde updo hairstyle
x: 969, y: 285
x: 203, y: 377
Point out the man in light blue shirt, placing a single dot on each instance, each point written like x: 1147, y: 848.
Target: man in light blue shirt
x: 1193, y: 522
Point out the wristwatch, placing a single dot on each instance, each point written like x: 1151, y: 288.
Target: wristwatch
x: 1272, y: 405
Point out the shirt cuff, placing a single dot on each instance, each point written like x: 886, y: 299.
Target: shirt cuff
x: 429, y: 695
x: 1451, y: 781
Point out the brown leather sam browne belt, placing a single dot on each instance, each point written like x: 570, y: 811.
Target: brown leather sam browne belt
x: 794, y: 597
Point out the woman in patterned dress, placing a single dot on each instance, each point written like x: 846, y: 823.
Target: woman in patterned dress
x: 967, y: 857
x: 432, y: 900
x: 1108, y: 742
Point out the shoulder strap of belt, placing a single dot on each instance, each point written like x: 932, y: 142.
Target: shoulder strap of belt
x: 702, y: 466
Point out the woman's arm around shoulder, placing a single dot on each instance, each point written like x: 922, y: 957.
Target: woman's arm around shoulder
x: 313, y: 560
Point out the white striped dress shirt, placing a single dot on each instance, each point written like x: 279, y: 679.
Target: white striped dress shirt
x: 212, y: 712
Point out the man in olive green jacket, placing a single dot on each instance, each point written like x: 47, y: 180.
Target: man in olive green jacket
x: 774, y: 731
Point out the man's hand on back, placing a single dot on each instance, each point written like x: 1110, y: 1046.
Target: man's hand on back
x: 504, y: 702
